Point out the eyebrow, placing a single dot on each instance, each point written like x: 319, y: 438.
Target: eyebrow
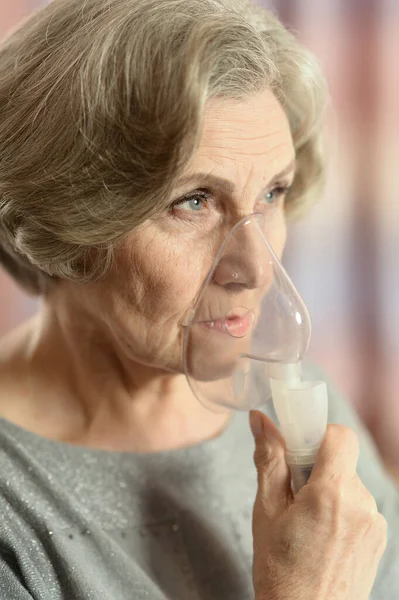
x: 225, y: 184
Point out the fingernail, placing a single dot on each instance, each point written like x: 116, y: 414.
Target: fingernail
x: 256, y: 424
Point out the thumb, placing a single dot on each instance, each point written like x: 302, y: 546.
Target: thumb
x: 274, y: 479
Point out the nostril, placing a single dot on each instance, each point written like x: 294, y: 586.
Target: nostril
x: 234, y: 287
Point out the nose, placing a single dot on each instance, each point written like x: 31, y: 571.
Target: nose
x: 245, y: 261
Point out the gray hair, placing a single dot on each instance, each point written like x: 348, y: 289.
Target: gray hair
x: 101, y: 106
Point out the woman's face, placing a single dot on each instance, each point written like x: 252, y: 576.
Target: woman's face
x: 244, y: 164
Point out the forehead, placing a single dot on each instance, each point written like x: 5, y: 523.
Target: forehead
x: 241, y: 136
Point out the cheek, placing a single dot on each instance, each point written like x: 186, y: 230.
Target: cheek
x: 164, y: 280
x: 174, y: 286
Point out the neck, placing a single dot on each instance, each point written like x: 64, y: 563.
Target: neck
x: 83, y: 390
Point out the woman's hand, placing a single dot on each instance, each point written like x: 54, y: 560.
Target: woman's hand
x: 326, y: 542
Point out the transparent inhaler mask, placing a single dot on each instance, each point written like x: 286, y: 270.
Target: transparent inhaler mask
x: 248, y: 321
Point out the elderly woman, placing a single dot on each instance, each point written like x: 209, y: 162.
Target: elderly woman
x: 129, y: 130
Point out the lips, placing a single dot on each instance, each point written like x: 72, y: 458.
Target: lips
x: 234, y: 325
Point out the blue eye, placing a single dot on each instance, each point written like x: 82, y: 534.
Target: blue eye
x: 275, y: 194
x: 194, y: 203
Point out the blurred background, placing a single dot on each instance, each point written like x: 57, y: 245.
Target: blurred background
x: 344, y: 255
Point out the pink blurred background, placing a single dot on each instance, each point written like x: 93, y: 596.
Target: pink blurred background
x: 343, y: 256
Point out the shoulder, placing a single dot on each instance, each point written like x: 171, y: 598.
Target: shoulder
x: 15, y: 466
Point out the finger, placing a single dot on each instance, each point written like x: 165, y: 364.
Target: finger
x: 338, y: 454
x: 274, y: 490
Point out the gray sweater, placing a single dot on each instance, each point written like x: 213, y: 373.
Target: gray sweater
x: 89, y: 524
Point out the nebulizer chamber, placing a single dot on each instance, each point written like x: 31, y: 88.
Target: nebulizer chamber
x: 245, y: 338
